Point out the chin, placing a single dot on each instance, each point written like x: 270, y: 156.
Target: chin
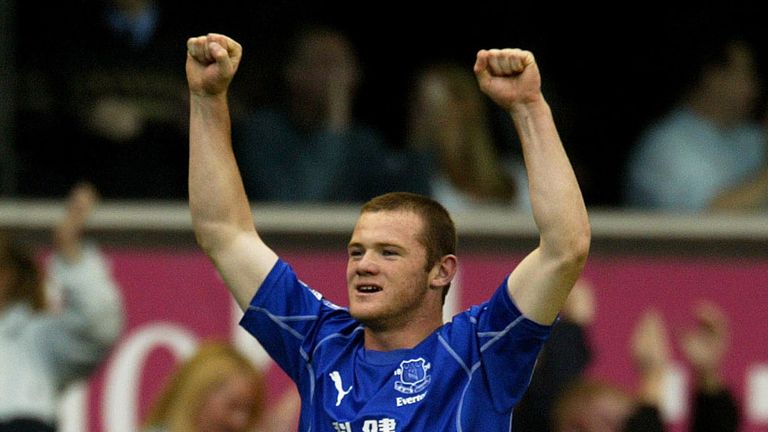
x: 366, y: 317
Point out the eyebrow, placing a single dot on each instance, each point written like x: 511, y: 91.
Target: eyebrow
x: 376, y: 245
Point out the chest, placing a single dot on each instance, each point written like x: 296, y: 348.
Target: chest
x: 417, y: 392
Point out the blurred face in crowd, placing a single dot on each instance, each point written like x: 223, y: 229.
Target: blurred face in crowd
x: 606, y: 413
x: 593, y: 407
x: 229, y: 406
x: 323, y: 63
x: 734, y: 84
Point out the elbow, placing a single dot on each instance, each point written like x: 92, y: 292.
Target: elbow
x: 578, y: 247
x: 208, y: 237
x: 213, y: 236
x: 572, y: 249
x: 581, y: 248
x: 204, y: 241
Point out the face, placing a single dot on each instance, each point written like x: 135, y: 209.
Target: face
x: 387, y: 282
x: 229, y: 406
x: 736, y: 84
x: 322, y: 61
x: 607, y: 413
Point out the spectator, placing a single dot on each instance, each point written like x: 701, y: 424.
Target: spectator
x: 450, y: 129
x: 112, y: 113
x: 708, y: 151
x: 312, y: 149
x: 593, y: 405
x: 218, y: 389
x: 41, y: 350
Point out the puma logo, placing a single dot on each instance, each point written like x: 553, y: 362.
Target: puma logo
x: 336, y: 378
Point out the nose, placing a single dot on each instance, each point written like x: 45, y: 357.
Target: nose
x: 366, y: 265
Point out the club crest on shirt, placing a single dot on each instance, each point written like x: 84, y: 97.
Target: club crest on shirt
x: 414, y: 376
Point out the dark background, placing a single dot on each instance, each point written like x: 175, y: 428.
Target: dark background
x: 607, y: 71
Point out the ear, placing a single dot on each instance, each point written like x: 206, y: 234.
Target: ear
x: 443, y: 271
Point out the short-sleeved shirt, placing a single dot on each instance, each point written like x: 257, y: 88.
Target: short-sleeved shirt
x: 466, y: 376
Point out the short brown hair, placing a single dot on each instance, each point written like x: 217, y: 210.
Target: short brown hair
x: 26, y: 283
x: 438, y: 233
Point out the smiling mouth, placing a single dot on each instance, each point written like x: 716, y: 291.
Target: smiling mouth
x: 368, y: 289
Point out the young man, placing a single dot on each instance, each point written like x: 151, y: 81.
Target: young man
x: 388, y: 363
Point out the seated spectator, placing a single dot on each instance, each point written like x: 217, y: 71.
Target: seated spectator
x: 450, y: 129
x: 218, y: 389
x: 708, y: 151
x: 312, y: 149
x: 44, y: 348
x: 593, y: 405
x: 105, y: 104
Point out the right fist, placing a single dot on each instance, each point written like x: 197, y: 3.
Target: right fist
x: 212, y: 61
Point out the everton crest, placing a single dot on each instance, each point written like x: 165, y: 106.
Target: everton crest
x: 414, y: 376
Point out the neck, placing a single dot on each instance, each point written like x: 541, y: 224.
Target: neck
x: 405, y: 337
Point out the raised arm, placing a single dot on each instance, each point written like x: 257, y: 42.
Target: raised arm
x: 541, y: 282
x: 90, y: 317
x: 221, y: 215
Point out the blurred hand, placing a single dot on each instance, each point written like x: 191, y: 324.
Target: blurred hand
x: 651, y: 353
x: 68, y: 232
x: 650, y: 342
x: 579, y: 307
x: 340, y: 89
x: 704, y: 346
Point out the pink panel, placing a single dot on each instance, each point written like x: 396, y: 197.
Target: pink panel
x: 181, y: 287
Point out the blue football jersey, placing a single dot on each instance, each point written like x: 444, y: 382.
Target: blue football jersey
x: 466, y: 376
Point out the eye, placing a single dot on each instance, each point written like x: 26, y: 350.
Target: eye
x: 355, y: 253
x: 389, y: 252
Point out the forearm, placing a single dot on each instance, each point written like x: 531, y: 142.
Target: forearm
x: 556, y: 201
x: 540, y: 283
x: 217, y: 198
x: 221, y: 215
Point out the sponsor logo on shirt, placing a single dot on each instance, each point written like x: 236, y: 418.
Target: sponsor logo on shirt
x: 402, y: 401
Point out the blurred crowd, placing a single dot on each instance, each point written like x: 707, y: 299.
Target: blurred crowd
x: 100, y: 96
x: 674, y: 122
